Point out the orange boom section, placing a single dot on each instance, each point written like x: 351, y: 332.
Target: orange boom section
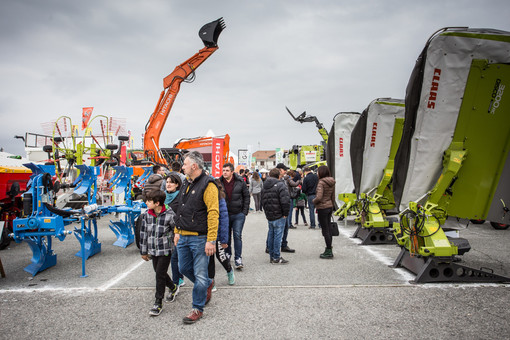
x: 209, y: 34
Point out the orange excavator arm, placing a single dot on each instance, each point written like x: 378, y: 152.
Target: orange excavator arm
x: 209, y: 34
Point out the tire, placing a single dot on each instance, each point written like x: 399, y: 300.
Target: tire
x: 47, y: 148
x: 138, y: 224
x: 500, y: 226
x: 111, y: 163
x: 114, y: 161
x: 123, y: 138
x: 5, y: 240
x: 112, y: 146
x: 477, y: 221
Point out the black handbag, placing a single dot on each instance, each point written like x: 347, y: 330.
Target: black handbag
x: 334, y: 229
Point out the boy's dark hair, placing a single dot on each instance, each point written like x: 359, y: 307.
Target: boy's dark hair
x: 241, y: 171
x: 230, y: 165
x: 156, y: 196
x: 155, y: 168
x: 176, y: 166
x: 323, y: 171
x: 274, y: 173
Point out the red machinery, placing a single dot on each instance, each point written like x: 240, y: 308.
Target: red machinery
x: 13, y: 182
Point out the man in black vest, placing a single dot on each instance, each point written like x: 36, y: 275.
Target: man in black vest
x: 196, y: 230
x: 238, y: 204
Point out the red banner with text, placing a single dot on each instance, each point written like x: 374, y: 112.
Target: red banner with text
x: 217, y: 157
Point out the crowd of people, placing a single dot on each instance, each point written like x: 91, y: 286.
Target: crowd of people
x: 193, y: 219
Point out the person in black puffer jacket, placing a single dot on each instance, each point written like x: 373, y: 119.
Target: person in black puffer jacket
x: 238, y: 204
x: 276, y: 206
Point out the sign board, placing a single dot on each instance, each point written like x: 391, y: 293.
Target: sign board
x: 244, y: 158
x: 310, y: 156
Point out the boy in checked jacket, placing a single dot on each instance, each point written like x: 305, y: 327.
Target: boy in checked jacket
x: 156, y: 235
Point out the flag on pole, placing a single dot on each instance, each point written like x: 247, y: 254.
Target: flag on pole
x: 75, y: 132
x: 85, y: 116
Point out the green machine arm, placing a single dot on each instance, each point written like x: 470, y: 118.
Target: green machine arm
x: 303, y: 118
x: 419, y: 231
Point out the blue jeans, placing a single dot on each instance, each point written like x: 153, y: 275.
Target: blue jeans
x: 193, y: 263
x: 289, y: 217
x: 236, y: 224
x: 288, y: 223
x: 176, y: 274
x: 274, y: 237
x: 311, y: 210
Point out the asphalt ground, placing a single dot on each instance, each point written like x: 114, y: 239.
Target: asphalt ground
x: 355, y: 295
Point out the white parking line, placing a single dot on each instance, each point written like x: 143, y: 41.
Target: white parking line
x: 102, y: 288
x: 120, y: 277
x: 404, y: 274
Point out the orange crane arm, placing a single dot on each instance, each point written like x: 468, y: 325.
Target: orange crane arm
x: 209, y: 34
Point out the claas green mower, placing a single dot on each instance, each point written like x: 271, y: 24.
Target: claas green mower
x: 453, y: 162
x: 374, y: 143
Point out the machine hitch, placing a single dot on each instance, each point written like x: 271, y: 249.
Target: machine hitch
x: 430, y: 269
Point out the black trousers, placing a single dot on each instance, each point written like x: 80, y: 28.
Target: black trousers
x: 222, y: 257
x: 302, y: 209
x: 160, y: 265
x: 324, y: 216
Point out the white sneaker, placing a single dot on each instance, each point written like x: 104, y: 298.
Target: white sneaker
x: 239, y: 264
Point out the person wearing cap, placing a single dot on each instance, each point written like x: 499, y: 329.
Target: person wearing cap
x: 283, y: 174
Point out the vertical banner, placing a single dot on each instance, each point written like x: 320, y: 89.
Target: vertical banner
x: 123, y: 155
x: 75, y: 132
x: 243, y: 157
x: 279, y: 155
x: 85, y: 116
x: 131, y: 140
x: 217, y: 157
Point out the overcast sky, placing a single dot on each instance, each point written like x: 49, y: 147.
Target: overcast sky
x: 324, y: 57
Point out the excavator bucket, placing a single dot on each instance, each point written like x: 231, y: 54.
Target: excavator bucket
x: 210, y: 32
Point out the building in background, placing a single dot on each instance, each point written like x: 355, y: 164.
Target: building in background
x: 264, y: 159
